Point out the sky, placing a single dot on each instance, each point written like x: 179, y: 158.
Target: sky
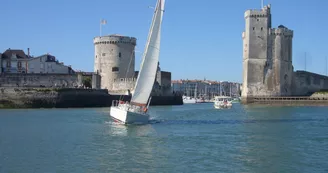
x: 200, y: 38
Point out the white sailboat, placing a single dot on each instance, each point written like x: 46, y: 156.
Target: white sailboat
x: 135, y: 112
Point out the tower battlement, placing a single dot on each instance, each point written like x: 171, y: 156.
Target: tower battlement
x: 282, y: 31
x: 264, y: 12
x: 115, y: 39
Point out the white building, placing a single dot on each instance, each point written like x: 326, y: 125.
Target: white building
x: 204, y: 88
x: 47, y: 64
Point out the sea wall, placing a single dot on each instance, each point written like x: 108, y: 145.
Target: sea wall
x: 37, y: 80
x: 155, y: 100
x: 67, y: 98
x: 53, y: 98
x: 306, y: 83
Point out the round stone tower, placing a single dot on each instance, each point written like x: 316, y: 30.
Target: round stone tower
x: 114, y: 58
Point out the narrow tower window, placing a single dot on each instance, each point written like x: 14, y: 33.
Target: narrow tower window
x: 261, y: 28
x: 115, y: 69
x: 119, y: 55
x: 253, y: 28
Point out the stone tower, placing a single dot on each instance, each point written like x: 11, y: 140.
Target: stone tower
x: 267, y: 58
x: 114, y: 58
x: 255, y: 55
x: 281, y: 39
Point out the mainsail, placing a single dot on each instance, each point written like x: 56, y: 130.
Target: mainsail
x: 148, y: 69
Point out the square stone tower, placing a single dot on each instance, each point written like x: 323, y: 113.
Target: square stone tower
x: 267, y: 56
x: 256, y: 52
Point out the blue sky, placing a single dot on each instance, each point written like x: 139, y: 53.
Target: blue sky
x: 200, y: 38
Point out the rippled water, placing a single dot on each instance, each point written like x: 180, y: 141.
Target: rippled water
x: 189, y: 138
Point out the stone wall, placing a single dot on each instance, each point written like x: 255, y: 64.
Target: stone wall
x: 37, y: 80
x: 165, y: 83
x: 0, y: 63
x: 67, y: 98
x: 53, y: 98
x: 305, y: 83
x: 162, y: 85
x: 96, y: 81
x: 122, y: 85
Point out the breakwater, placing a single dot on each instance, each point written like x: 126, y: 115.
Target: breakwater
x: 314, y: 100
x: 67, y: 98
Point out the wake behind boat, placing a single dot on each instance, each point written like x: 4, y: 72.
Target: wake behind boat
x: 136, y: 111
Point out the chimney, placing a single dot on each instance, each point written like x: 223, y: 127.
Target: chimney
x: 28, y: 52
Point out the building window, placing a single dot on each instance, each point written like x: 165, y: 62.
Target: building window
x: 261, y: 28
x: 119, y: 55
x: 115, y: 69
x: 258, y: 19
x: 19, y: 64
x: 103, y: 54
x: 253, y: 28
x: 8, y: 64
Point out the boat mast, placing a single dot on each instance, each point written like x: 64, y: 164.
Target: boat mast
x: 195, y: 92
x: 149, y: 64
x: 230, y: 90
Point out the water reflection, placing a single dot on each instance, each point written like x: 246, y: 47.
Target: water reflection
x: 270, y: 147
x: 134, y: 147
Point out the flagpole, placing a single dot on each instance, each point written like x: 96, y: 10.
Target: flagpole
x: 326, y: 65
x: 100, y: 26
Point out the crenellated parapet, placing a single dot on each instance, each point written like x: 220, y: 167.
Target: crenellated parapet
x: 115, y: 39
x: 282, y: 32
x: 254, y: 13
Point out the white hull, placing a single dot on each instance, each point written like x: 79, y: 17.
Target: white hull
x: 222, y: 105
x: 189, y: 101
x: 128, y: 117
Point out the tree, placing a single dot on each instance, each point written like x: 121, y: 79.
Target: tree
x: 87, y: 81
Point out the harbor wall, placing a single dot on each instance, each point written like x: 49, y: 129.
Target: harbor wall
x: 306, y: 83
x: 67, y: 98
x: 155, y: 100
x: 38, y: 80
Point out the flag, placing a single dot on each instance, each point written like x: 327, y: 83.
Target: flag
x: 103, y: 22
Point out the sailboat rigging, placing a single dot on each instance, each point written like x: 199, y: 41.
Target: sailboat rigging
x: 136, y: 111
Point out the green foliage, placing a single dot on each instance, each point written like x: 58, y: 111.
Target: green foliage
x: 321, y: 92
x: 87, y: 81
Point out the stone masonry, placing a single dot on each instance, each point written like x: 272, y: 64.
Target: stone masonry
x: 267, y: 56
x: 114, y: 58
